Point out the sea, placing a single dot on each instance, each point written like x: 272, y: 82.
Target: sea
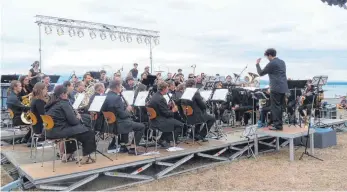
x: 333, y: 89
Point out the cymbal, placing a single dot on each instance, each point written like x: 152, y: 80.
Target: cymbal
x: 253, y: 74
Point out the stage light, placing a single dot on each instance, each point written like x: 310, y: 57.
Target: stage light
x: 80, y: 33
x: 48, y: 29
x: 60, y: 31
x: 72, y: 32
x: 129, y: 39
x: 102, y: 36
x: 121, y: 37
x: 92, y: 34
x: 139, y: 39
x: 147, y: 40
x: 113, y: 36
x: 156, y: 41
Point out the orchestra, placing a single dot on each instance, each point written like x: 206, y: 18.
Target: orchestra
x: 171, y: 119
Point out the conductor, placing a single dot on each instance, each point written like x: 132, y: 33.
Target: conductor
x: 276, y: 69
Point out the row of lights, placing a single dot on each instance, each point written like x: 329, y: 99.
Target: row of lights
x: 113, y: 36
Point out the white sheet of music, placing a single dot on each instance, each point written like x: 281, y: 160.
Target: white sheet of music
x: 78, y: 100
x: 97, y: 103
x: 220, y: 95
x: 189, y: 93
x: 167, y: 98
x: 128, y: 96
x: 141, y: 99
x: 250, y: 88
x: 107, y: 90
x: 206, y: 94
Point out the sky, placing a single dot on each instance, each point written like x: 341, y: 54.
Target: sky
x: 219, y: 36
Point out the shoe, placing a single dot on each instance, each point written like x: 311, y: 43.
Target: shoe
x: 132, y: 151
x: 112, y: 149
x: 275, y: 129
x: 123, y: 149
x: 164, y: 144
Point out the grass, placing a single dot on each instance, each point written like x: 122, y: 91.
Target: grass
x: 272, y: 171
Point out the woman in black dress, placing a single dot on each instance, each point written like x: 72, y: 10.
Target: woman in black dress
x: 34, y: 73
x: 38, y: 105
x: 26, y: 87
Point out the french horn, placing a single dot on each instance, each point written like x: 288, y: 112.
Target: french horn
x: 26, y: 101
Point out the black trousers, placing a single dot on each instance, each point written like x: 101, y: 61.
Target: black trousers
x: 210, y: 120
x: 306, y: 107
x: 167, y: 136
x: 88, y: 142
x: 291, y: 107
x: 263, y: 115
x: 123, y: 138
x: 277, y: 103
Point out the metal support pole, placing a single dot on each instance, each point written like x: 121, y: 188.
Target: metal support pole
x: 150, y: 54
x: 40, y: 47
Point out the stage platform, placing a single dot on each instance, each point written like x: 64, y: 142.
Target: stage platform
x: 126, y: 170
x: 289, y: 132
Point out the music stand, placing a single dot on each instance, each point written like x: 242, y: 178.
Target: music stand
x: 319, y: 81
x: 219, y: 95
x: 95, y: 74
x: 9, y: 78
x: 149, y: 81
x: 78, y: 101
x: 54, y: 78
x: 249, y: 133
x: 95, y: 107
x: 258, y: 95
x: 294, y: 85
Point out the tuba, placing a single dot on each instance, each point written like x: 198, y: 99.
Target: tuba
x: 89, y: 92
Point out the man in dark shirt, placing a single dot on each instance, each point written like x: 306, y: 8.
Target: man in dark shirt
x: 134, y: 72
x: 129, y: 83
x: 276, y: 69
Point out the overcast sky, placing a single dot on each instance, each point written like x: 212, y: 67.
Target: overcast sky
x: 219, y: 36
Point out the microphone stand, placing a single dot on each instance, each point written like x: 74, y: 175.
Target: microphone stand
x: 241, y: 73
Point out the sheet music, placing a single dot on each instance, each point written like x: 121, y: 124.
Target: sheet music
x: 128, y: 96
x: 189, y: 93
x: 141, y: 99
x: 220, y: 95
x: 167, y: 98
x: 78, y: 100
x: 250, y: 88
x: 206, y: 94
x: 322, y: 80
x: 97, y: 104
x: 263, y: 96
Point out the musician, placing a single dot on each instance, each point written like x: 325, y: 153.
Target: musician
x: 140, y: 112
x: 74, y: 78
x: 179, y: 72
x: 266, y: 108
x: 172, y: 87
x: 168, y: 77
x: 34, y: 73
x: 199, y: 114
x: 89, y: 91
x: 164, y: 121
x: 198, y: 80
x: 79, y: 88
x: 103, y: 78
x: 178, y: 80
x: 306, y: 101
x: 179, y: 91
x: 143, y: 77
x: 240, y: 101
x: 68, y: 125
x: 276, y: 69
x: 26, y: 87
x: 37, y: 106
x: 70, y: 90
x: 147, y: 70
x: 134, y: 72
x: 124, y: 124
x: 117, y: 75
x: 129, y: 83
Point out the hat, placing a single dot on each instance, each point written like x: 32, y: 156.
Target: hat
x: 59, y: 89
x: 135, y: 64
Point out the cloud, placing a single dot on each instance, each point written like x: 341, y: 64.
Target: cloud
x: 218, y: 36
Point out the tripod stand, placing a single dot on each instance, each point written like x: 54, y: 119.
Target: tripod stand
x: 320, y: 81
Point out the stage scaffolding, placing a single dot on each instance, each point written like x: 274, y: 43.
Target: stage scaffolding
x: 78, y: 28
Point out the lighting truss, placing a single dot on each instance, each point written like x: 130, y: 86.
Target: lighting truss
x: 77, y: 28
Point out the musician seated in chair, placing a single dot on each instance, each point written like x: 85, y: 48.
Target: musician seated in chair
x: 306, y: 102
x: 266, y: 108
x: 199, y: 114
x: 129, y: 83
x: 241, y: 103
x: 124, y: 124
x: 17, y: 107
x: 37, y: 107
x: 68, y: 125
x: 164, y: 120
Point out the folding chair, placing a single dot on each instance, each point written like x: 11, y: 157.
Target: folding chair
x: 188, y: 111
x: 48, y: 124
x: 34, y: 137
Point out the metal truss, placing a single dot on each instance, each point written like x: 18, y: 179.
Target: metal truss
x: 77, y: 28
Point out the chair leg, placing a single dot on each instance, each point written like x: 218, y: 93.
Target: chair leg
x: 14, y: 135
x: 156, y: 140
x: 173, y: 137
x: 31, y: 146
x: 43, y: 152
x: 116, y: 139
x: 78, y: 153
x: 193, y: 130
x: 135, y: 144
x: 54, y: 146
